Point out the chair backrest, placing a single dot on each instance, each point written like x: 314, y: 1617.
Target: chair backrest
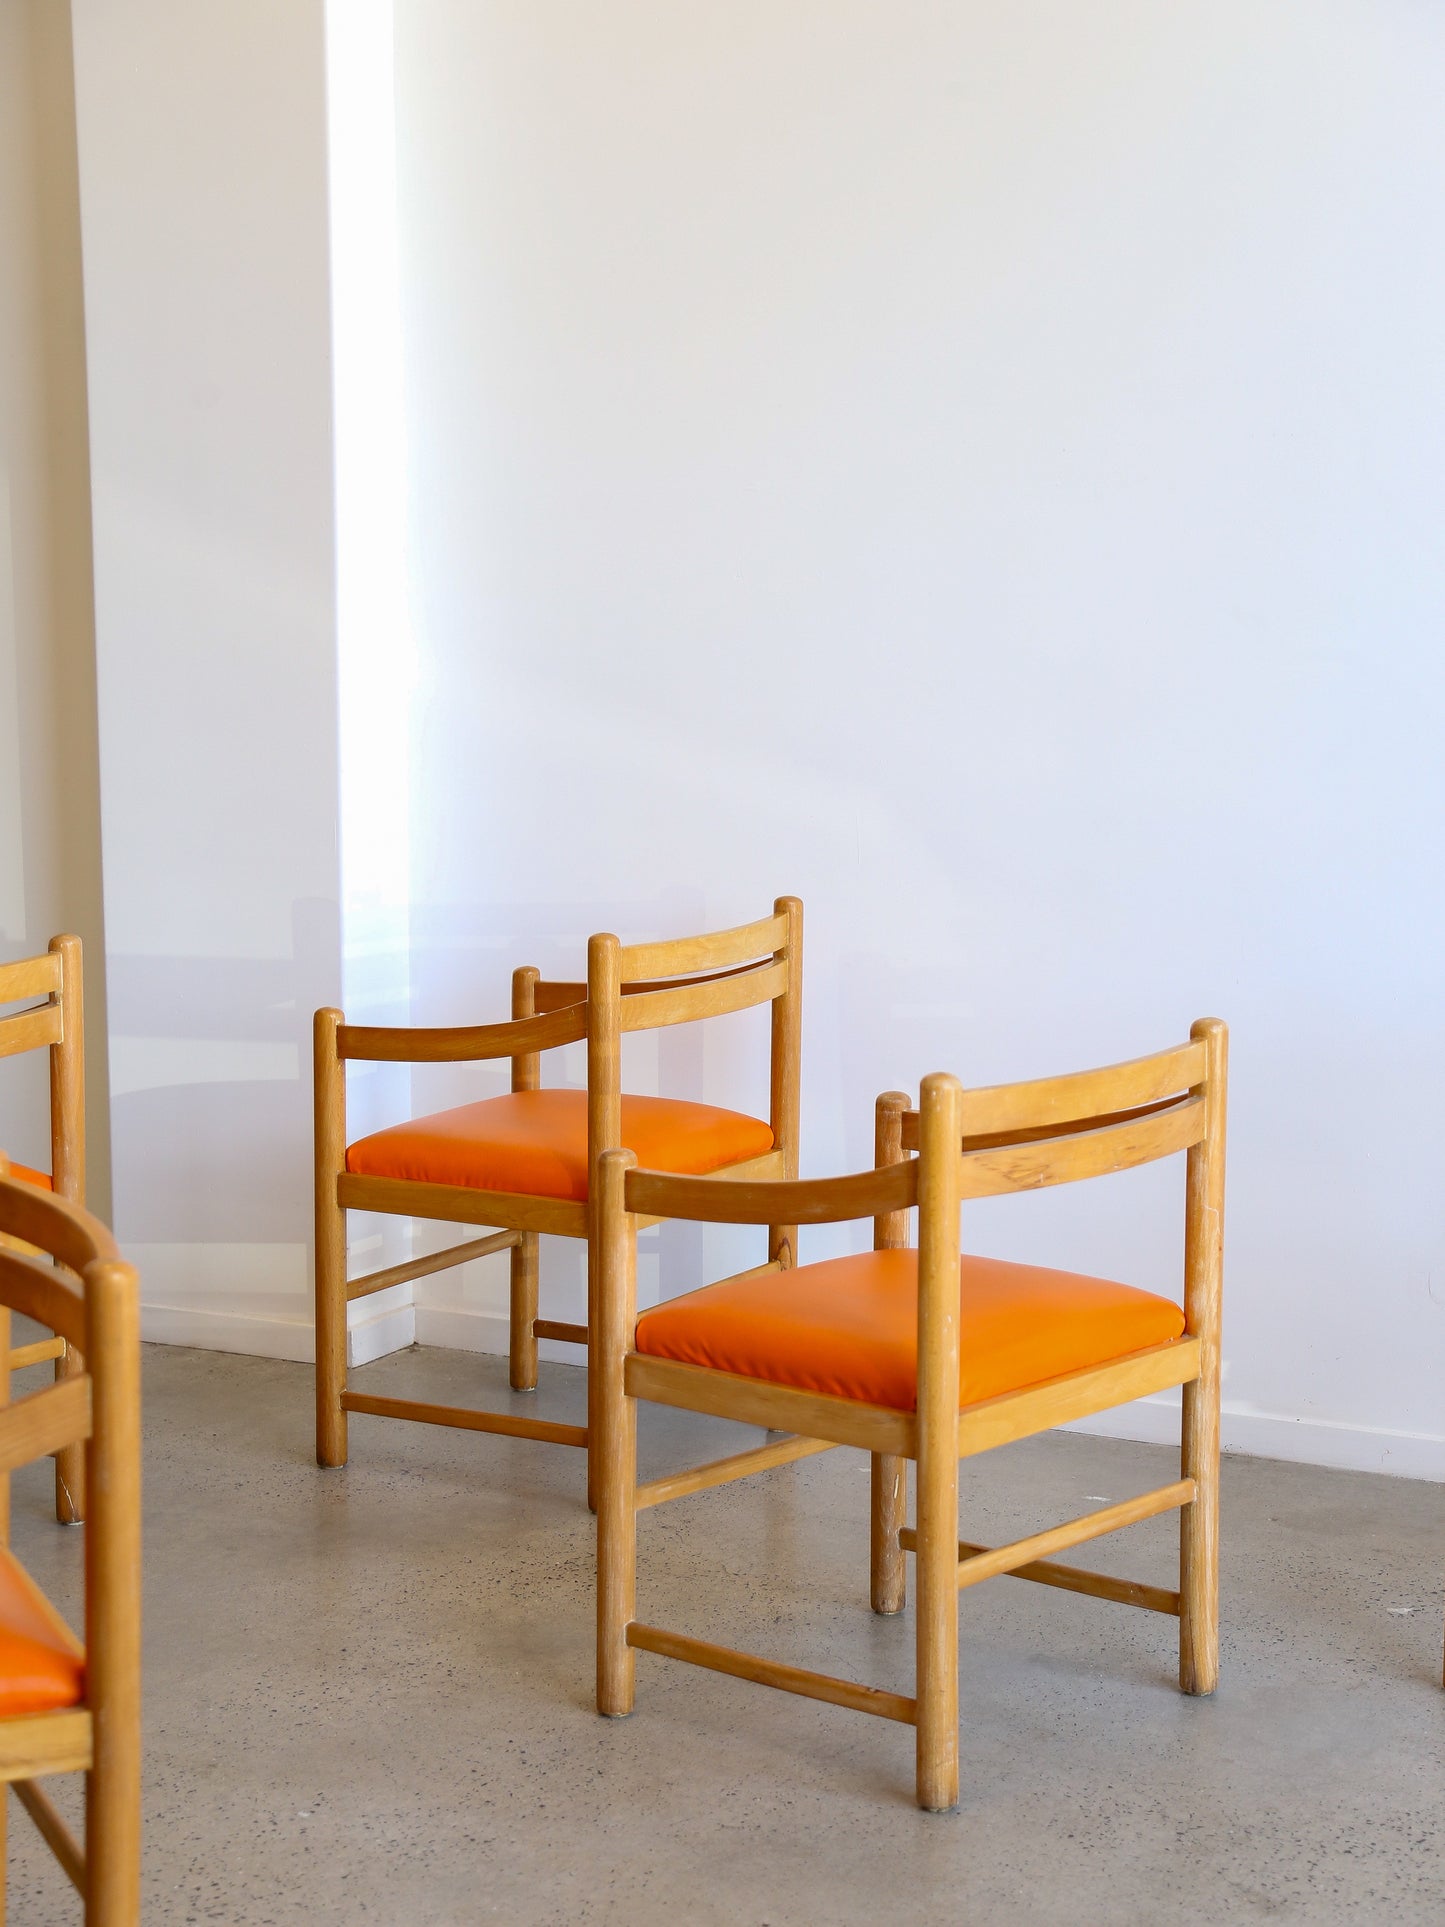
x: 650, y: 986
x: 1059, y: 1130
x: 81, y: 1289
x: 57, y: 1023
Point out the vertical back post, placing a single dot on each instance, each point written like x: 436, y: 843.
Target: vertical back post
x: 113, y: 1596
x: 604, y: 1126
x: 613, y: 1447
x: 525, y: 1253
x: 1199, y: 1453
x: 785, y: 1082
x: 887, y: 1566
x: 937, y: 1532
x: 67, y: 1174
x: 330, y: 1151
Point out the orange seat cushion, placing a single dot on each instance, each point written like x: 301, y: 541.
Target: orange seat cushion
x: 535, y: 1142
x: 40, y: 1668
x: 849, y: 1327
x: 24, y: 1174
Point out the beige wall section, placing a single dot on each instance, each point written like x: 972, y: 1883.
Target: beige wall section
x: 49, y: 793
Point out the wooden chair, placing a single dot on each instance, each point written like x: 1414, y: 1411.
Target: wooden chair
x: 59, y: 1025
x: 910, y: 1356
x: 525, y: 1162
x: 67, y: 1707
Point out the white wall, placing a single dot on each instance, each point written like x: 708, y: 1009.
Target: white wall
x: 978, y: 467
x: 202, y: 138
x: 49, y: 800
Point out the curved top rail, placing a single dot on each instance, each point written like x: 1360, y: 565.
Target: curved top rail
x: 1157, y: 1132
x: 866, y: 1194
x: 685, y: 956
x: 395, y: 1044
x: 53, y: 1225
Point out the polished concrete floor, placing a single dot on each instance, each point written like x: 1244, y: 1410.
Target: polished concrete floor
x: 368, y: 1692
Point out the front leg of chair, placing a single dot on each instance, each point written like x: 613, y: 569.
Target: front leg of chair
x: 70, y: 1459
x: 612, y: 1450
x: 331, y: 1440
x: 523, y: 1347
x: 887, y: 1563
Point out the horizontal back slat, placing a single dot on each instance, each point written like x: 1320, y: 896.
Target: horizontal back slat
x: 475, y: 1042
x: 685, y: 956
x: 555, y: 994
x: 36, y: 1426
x: 1061, y: 1100
x: 34, y: 1287
x: 1084, y: 1154
x: 706, y: 997
x: 30, y: 1029
x: 65, y: 1230
x: 30, y: 977
x: 893, y: 1187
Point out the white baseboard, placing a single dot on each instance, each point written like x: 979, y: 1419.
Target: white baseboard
x: 1268, y: 1435
x: 271, y: 1335
x: 462, y: 1330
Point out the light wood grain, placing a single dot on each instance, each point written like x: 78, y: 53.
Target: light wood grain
x: 524, y: 1265
x: 1057, y: 1401
x: 1098, y: 1585
x: 686, y: 956
x: 979, y: 1566
x: 36, y: 1289
x: 888, y: 1476
x: 756, y: 1401
x: 53, y: 1830
x: 561, y: 1329
x: 30, y: 1030
x: 460, y: 1204
x: 329, y: 1113
x: 113, y: 1598
x: 740, y: 1465
x: 709, y: 997
x: 29, y: 977
x: 35, y: 1426
x: 769, y: 1672
x: 785, y: 1080
x: 1199, y: 1452
x: 1081, y: 1094
x: 436, y: 1261
x: 40, y: 1743
x: 464, y: 1419
x: 721, y: 1199
x: 614, y: 1450
x: 1032, y: 1166
x: 472, y: 1043
x: 37, y: 1354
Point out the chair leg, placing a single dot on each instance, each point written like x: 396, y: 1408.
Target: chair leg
x: 613, y: 1453
x: 523, y: 1349
x: 112, y: 1845
x: 4, y: 1846
x: 1199, y: 1539
x: 331, y: 1441
x: 936, y: 1576
x: 70, y: 1459
x: 888, y: 1567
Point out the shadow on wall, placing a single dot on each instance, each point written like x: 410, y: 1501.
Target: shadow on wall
x: 211, y: 1089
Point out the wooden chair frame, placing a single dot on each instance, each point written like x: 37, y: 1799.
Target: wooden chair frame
x: 628, y: 988
x: 969, y: 1144
x: 89, y: 1296
x: 59, y: 1024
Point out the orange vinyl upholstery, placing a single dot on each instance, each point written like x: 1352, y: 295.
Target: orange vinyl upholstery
x: 40, y: 1665
x: 535, y: 1143
x: 849, y: 1327
x: 24, y: 1175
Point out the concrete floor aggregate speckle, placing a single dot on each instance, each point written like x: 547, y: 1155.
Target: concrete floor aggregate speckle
x: 368, y: 1692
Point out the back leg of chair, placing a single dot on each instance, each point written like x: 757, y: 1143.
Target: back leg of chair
x: 612, y: 1453
x: 887, y: 1565
x: 523, y: 1348
x: 331, y: 1440
x: 70, y: 1459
